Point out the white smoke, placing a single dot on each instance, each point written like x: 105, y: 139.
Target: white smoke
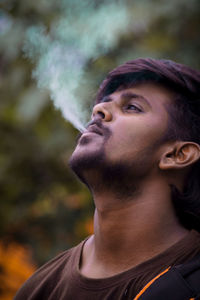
x: 84, y: 32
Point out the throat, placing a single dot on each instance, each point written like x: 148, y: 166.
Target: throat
x: 125, y: 238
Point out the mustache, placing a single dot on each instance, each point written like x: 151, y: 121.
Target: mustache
x: 96, y: 122
x: 105, y: 130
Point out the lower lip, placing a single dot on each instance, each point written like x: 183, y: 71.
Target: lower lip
x: 87, y: 134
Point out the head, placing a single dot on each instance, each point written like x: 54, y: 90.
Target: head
x: 177, y: 120
x: 183, y: 122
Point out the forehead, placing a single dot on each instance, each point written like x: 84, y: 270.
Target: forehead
x: 154, y: 94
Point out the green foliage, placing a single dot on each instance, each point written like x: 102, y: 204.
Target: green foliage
x: 42, y: 203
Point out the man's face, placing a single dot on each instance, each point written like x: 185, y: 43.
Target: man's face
x: 130, y: 124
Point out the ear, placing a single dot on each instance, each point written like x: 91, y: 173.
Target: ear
x: 179, y: 155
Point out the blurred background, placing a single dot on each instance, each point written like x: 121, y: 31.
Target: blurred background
x: 44, y: 209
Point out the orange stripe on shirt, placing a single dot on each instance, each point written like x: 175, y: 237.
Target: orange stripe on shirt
x: 150, y: 283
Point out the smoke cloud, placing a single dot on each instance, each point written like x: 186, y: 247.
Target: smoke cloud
x: 85, y: 30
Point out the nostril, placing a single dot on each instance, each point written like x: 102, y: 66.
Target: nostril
x: 102, y: 111
x: 101, y: 114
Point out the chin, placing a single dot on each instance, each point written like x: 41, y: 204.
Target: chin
x: 116, y: 176
x: 85, y: 160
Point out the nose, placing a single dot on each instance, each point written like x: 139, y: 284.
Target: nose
x: 102, y: 110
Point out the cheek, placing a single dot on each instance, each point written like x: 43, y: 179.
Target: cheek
x: 134, y: 138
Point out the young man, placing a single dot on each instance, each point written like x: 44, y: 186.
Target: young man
x: 139, y: 156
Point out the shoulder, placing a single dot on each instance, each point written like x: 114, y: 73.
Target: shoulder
x: 41, y: 283
x: 177, y: 282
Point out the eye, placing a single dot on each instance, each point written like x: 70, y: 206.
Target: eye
x: 133, y: 107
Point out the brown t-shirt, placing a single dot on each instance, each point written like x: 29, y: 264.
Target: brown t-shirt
x: 60, y: 278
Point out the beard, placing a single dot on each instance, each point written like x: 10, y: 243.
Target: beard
x: 104, y: 175
x: 82, y: 162
x: 99, y: 174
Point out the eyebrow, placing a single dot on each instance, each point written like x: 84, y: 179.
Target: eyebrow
x: 127, y: 96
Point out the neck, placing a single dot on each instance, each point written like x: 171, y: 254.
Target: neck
x: 130, y: 231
